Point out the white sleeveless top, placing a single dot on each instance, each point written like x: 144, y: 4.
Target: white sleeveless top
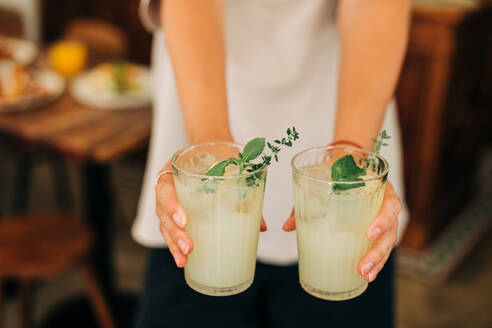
x: 282, y: 71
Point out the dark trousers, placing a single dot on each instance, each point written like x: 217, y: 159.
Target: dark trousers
x: 274, y: 300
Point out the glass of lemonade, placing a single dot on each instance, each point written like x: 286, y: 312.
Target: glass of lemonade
x: 224, y: 217
x: 332, y: 219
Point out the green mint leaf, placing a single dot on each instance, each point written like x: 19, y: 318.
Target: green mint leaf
x: 253, y: 149
x: 345, y: 169
x: 219, y: 168
x: 254, y: 167
x: 343, y: 187
x: 295, y: 134
x: 267, y: 160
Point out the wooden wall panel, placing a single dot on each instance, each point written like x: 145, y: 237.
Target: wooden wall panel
x: 442, y: 107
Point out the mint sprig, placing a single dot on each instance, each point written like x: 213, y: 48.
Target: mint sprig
x: 377, y: 148
x: 252, y: 151
x: 345, y: 168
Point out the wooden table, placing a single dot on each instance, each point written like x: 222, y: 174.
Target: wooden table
x: 81, y: 133
x: 94, y: 139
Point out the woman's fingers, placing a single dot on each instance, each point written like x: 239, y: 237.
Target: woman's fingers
x: 178, y: 241
x: 290, y: 224
x: 387, y: 218
x: 373, y: 261
x: 178, y: 256
x: 383, y: 232
x: 173, y: 219
x: 166, y: 197
x: 371, y: 276
x: 263, y: 226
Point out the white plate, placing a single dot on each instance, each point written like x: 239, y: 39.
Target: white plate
x: 22, y: 51
x: 52, y: 83
x: 87, y: 91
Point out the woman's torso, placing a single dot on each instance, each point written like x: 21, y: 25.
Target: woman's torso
x: 282, y: 69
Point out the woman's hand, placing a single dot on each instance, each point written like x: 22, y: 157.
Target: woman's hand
x: 173, y: 219
x: 382, y: 231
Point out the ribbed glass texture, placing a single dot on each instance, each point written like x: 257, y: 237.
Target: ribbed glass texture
x: 224, y: 216
x: 331, y: 220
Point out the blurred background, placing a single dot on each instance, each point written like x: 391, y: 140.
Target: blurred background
x: 75, y: 117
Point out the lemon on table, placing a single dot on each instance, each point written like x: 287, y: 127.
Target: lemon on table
x: 68, y: 57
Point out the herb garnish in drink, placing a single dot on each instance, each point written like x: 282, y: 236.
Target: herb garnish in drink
x: 252, y: 151
x: 345, y: 168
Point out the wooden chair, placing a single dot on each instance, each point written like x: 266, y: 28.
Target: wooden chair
x: 10, y: 23
x: 28, y: 12
x: 42, y: 246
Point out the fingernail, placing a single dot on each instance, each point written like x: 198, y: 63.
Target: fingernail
x: 374, y: 233
x: 366, y: 267
x: 179, y: 218
x: 372, y: 275
x: 183, y: 246
x: 176, y: 259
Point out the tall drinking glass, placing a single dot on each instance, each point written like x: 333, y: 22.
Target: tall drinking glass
x: 224, y: 217
x: 332, y: 218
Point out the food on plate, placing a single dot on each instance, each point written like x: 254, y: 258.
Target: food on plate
x: 115, y: 85
x: 17, y: 81
x: 21, y: 51
x: 22, y: 87
x: 117, y: 77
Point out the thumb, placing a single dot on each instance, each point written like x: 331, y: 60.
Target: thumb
x: 290, y: 224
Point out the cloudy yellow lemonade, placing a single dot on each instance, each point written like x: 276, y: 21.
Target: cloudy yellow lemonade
x: 338, y: 192
x: 332, y: 219
x: 221, y: 188
x: 224, y: 224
